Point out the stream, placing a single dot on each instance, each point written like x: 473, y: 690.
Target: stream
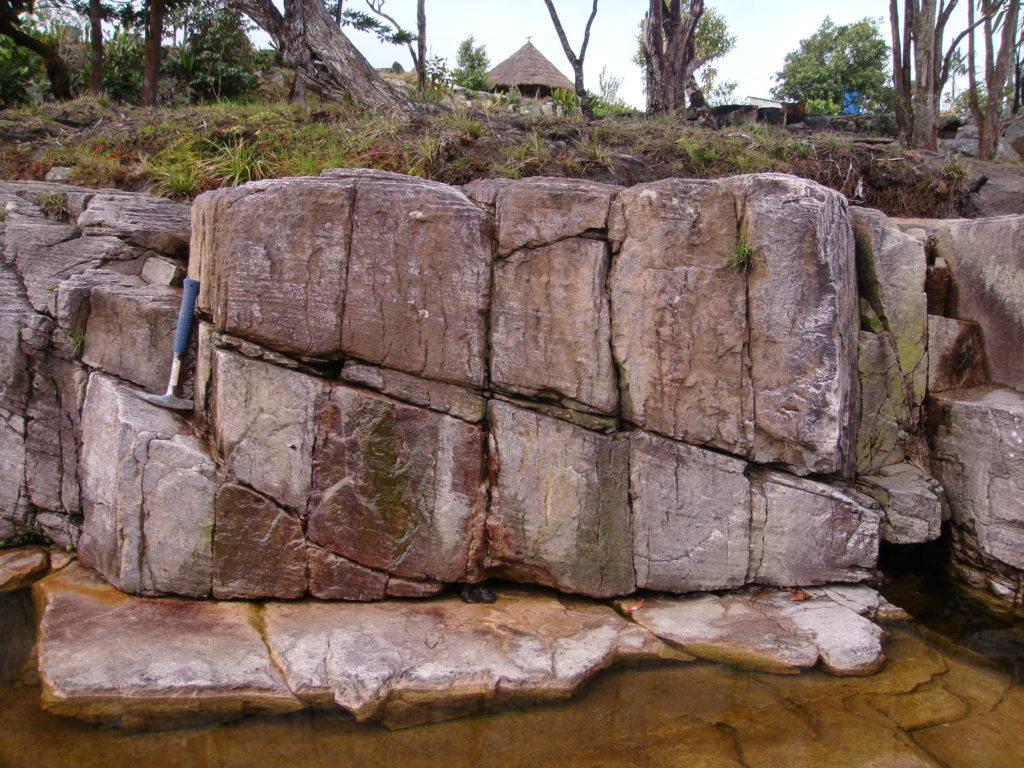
x: 949, y: 696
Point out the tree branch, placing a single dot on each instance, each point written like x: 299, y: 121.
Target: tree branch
x: 586, y: 34
x: 561, y: 32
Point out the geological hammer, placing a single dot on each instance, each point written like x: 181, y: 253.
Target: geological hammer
x: 182, y: 332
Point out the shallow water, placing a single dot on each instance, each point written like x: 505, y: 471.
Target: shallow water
x: 930, y: 706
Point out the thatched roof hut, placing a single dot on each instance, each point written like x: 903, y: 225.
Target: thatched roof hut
x: 528, y: 70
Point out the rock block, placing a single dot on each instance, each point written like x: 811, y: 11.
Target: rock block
x: 986, y: 262
x: 539, y: 211
x: 691, y: 516
x: 14, y: 498
x: 272, y: 261
x: 912, y: 501
x: 332, y: 577
x: 679, y: 316
x: 956, y: 354
x: 398, y: 488
x: 446, y: 398
x: 767, y: 631
x: 144, y: 663
x: 892, y: 266
x: 259, y: 550
x: 45, y: 253
x: 148, y: 491
x: 977, y: 441
x: 15, y: 314
x: 418, y: 663
x: 418, y: 280
x: 144, y: 220
x: 550, y: 326
x: 802, y: 305
x: 264, y: 424
x: 559, y: 511
x: 130, y: 330
x: 885, y: 412
x: 805, y: 532
x: 52, y: 435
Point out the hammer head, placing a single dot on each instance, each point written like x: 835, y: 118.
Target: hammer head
x: 166, y: 401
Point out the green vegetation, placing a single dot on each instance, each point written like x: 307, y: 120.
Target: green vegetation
x: 471, y: 65
x: 77, y: 339
x: 741, y: 258
x: 954, y: 168
x: 836, y: 60
x: 54, y: 204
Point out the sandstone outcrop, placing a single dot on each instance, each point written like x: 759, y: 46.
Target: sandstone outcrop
x: 681, y: 386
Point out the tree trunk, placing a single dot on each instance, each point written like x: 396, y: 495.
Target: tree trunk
x: 669, y: 51
x: 421, y: 45
x: 901, y: 80
x: 575, y: 61
x: 920, y: 37
x: 997, y: 65
x: 924, y: 36
x: 56, y: 68
x: 323, y: 58
x: 151, y: 65
x: 95, y: 47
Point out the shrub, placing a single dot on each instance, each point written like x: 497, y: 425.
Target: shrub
x: 122, y: 65
x: 471, y: 65
x: 19, y: 68
x: 218, y: 60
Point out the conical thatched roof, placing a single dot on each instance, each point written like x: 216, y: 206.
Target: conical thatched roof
x: 527, y: 66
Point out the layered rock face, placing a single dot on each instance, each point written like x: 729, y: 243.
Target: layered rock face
x: 86, y: 285
x: 681, y: 386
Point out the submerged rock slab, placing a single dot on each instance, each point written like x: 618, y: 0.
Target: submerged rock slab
x: 20, y: 567
x: 769, y: 630
x: 415, y: 663
x: 139, y: 662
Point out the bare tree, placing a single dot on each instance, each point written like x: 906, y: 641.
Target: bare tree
x: 917, y: 48
x: 574, y: 60
x: 998, y: 17
x: 419, y: 52
x: 669, y: 52
x: 324, y: 60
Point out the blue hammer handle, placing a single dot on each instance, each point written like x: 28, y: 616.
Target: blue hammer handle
x: 184, y: 327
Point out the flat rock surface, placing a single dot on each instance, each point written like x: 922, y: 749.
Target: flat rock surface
x: 20, y: 567
x: 412, y: 663
x: 141, y: 662
x: 770, y: 630
x: 129, y: 661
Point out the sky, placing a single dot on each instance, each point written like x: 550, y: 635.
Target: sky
x: 765, y: 31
